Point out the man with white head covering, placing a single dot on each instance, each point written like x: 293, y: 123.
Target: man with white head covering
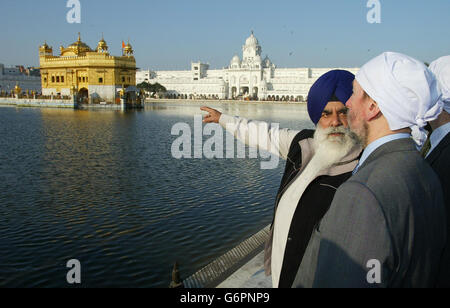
x: 439, y: 154
x: 386, y: 225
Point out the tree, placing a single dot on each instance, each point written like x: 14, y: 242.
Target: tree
x: 152, y: 88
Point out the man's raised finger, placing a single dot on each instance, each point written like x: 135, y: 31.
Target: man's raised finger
x: 207, y: 109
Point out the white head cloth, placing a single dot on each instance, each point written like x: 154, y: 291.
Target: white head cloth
x: 405, y: 90
x: 441, y: 69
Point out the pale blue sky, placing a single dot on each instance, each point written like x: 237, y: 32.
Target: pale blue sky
x: 169, y: 34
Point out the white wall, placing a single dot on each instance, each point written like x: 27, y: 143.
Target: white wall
x: 106, y: 93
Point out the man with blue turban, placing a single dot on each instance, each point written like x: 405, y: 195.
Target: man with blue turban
x: 318, y: 162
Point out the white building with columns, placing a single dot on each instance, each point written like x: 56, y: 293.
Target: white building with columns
x: 250, y: 76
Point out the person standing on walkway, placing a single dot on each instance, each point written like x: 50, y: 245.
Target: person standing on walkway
x: 318, y: 162
x: 386, y: 226
x: 438, y: 155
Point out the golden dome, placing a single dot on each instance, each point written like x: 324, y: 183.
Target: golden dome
x: 45, y: 50
x: 17, y: 89
x: 45, y: 46
x: 102, y: 46
x: 128, y: 49
x: 79, y: 47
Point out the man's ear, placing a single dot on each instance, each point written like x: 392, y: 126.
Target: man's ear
x: 373, y: 111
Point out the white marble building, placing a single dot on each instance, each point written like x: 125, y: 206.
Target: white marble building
x: 10, y: 76
x: 252, y: 76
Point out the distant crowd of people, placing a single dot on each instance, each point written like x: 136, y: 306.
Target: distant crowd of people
x: 365, y: 197
x: 270, y: 98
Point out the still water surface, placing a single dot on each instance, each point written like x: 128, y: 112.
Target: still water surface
x: 102, y: 187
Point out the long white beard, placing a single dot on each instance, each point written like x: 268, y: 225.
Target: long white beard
x: 329, y: 150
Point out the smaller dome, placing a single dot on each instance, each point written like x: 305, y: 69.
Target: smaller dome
x: 266, y: 62
x: 235, y: 60
x: 102, y: 46
x: 45, y: 47
x: 128, y: 50
x: 45, y: 50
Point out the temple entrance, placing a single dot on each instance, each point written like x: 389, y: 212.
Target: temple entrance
x: 255, y: 93
x: 83, y: 96
x: 245, y: 91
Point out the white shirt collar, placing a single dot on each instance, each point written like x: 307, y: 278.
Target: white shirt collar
x: 437, y: 135
x: 376, y: 144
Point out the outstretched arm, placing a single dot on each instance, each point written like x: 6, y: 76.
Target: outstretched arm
x: 254, y: 133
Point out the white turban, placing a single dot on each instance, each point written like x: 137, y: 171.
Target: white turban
x: 405, y: 90
x: 441, y: 69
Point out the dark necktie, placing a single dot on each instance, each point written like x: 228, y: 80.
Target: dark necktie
x: 426, y: 147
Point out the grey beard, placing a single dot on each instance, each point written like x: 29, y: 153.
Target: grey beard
x: 361, y: 134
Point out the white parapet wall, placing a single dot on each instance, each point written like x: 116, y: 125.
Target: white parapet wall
x: 48, y: 103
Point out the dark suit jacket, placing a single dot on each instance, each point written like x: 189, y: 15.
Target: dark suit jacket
x: 389, y: 216
x: 439, y: 160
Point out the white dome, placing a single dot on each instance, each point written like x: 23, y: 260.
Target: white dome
x: 252, y: 41
x: 236, y: 60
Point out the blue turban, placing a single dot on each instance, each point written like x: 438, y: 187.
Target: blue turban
x: 334, y: 84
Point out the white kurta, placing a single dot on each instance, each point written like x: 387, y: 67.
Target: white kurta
x: 278, y: 143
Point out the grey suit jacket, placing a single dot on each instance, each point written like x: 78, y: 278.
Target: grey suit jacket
x: 439, y: 160
x: 390, y: 212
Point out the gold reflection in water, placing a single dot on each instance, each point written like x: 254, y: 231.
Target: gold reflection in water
x: 83, y: 154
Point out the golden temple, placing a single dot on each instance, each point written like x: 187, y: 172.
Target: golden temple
x: 94, y: 76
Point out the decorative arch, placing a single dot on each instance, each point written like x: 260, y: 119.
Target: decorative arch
x: 83, y: 95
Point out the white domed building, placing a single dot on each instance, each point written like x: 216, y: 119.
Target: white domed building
x: 250, y: 77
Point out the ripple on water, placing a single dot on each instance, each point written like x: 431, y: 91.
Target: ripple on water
x: 103, y: 188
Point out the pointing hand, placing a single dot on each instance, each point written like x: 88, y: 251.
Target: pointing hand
x: 213, y: 115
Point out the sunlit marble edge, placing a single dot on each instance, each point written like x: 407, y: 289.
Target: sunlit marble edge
x: 235, y: 268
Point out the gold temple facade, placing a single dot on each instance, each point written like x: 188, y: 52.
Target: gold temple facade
x: 94, y: 76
